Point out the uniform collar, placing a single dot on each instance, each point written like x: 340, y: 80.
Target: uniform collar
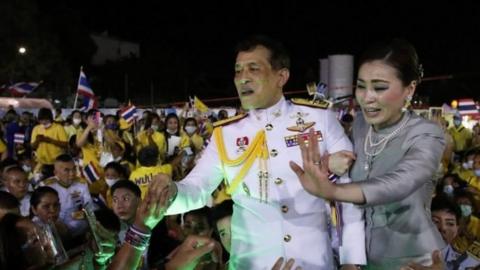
x: 270, y: 113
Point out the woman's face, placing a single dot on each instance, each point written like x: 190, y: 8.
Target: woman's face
x: 48, y: 209
x: 172, y: 124
x: 381, y: 94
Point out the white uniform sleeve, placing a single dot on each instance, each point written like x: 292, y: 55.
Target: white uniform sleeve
x: 195, y: 190
x: 352, y: 250
x: 335, y: 137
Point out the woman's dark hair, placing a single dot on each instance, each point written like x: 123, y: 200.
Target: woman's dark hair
x: 149, y: 120
x: 170, y: 116
x: 118, y: 168
x: 11, y: 240
x: 400, y: 55
x: 38, y: 194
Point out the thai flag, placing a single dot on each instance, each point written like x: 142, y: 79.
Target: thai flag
x: 467, y: 107
x: 22, y: 88
x: 19, y: 138
x: 84, y: 88
x: 89, y: 103
x: 90, y: 173
x: 129, y: 114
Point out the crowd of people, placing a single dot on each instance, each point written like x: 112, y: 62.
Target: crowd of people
x: 96, y: 191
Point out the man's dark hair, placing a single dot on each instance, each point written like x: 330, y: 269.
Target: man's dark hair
x: 64, y: 158
x: 278, y: 54
x: 441, y: 203
x: 148, y: 156
x: 108, y: 219
x: 45, y: 114
x: 126, y: 184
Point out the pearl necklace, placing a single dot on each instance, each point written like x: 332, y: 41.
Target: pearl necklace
x: 369, y: 144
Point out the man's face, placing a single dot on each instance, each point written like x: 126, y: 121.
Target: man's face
x: 446, y: 223
x: 65, y: 172
x: 125, y: 204
x: 17, y: 183
x: 258, y: 84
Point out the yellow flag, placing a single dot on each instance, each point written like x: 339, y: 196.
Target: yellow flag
x: 199, y: 105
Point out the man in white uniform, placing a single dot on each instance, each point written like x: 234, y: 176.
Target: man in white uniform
x: 73, y: 195
x: 273, y: 215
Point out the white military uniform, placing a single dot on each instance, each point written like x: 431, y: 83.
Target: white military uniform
x: 72, y: 199
x: 291, y: 223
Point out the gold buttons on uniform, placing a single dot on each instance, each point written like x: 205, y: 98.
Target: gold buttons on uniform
x: 273, y: 152
x: 278, y: 181
x: 284, y: 208
x: 269, y: 127
x: 287, y: 238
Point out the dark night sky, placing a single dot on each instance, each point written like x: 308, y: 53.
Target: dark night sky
x: 200, y: 36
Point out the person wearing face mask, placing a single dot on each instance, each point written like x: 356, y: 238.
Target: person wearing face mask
x: 469, y: 215
x: 176, y: 139
x: 461, y: 135
x: 49, y: 140
x: 114, y: 172
x: 464, y: 169
x: 150, y: 136
x: 191, y: 130
x: 474, y: 182
x: 76, y: 124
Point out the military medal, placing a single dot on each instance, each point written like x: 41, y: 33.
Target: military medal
x: 242, y: 143
x: 300, y: 124
x: 292, y: 140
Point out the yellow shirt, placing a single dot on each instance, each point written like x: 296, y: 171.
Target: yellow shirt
x: 70, y: 130
x: 461, y: 243
x: 157, y: 137
x: 462, y: 138
x: 196, y: 141
x: 3, y: 147
x: 46, y: 153
x: 144, y: 175
x: 464, y: 174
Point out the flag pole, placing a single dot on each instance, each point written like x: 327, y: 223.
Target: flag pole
x: 76, y: 92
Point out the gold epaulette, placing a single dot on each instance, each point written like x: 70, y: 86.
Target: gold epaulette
x: 49, y: 181
x: 474, y: 250
x: 321, y: 104
x: 230, y: 120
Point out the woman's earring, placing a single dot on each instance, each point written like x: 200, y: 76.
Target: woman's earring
x: 408, y: 100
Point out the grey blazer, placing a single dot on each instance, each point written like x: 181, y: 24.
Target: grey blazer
x: 398, y: 187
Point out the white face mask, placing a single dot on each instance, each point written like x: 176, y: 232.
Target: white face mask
x: 448, y: 189
x: 154, y: 127
x: 26, y: 168
x: 190, y: 129
x: 477, y: 172
x: 466, y: 210
x: 47, y: 125
x: 111, y: 181
x: 77, y: 121
x: 171, y: 131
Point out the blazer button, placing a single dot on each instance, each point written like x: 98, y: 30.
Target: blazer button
x: 284, y: 208
x: 287, y: 238
x: 278, y: 181
x: 269, y: 127
x: 273, y: 152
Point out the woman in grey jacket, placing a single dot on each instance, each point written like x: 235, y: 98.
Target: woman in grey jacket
x: 397, y: 155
